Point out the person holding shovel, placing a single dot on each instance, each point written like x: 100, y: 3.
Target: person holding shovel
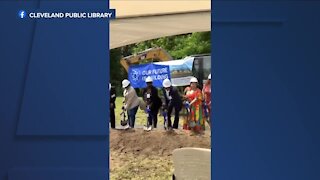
x: 152, y: 99
x: 193, y: 95
x: 112, y: 106
x: 172, y: 100
x: 131, y: 101
x: 207, y: 99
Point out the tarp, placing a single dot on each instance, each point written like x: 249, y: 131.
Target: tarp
x: 137, y: 74
x: 180, y: 70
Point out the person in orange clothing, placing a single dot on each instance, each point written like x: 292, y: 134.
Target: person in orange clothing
x: 207, y: 91
x: 196, y: 119
x: 207, y: 98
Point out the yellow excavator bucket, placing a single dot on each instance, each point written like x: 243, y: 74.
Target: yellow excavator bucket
x: 149, y: 55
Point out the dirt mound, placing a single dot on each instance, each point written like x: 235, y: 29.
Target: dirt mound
x: 155, y: 142
x: 139, y: 155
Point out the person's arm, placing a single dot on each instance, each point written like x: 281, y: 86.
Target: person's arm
x: 203, y: 91
x: 185, y: 96
x: 112, y: 98
x: 130, y: 95
x: 174, y: 93
x: 199, y: 95
x: 155, y: 96
x: 124, y: 102
x: 163, y: 96
x: 155, y: 92
x: 112, y: 95
x: 143, y: 95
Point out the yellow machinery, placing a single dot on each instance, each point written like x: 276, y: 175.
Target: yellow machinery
x: 149, y: 55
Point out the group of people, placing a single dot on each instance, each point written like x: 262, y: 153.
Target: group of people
x: 196, y: 102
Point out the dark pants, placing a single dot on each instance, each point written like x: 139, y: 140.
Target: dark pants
x: 176, y: 116
x: 132, y: 116
x: 112, y: 118
x: 153, y: 118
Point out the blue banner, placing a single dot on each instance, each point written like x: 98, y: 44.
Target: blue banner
x: 138, y: 74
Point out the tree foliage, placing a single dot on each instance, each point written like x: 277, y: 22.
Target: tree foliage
x: 177, y: 46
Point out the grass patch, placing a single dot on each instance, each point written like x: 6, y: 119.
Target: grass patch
x: 141, y: 117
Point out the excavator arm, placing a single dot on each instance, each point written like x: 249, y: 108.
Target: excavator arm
x: 149, y: 55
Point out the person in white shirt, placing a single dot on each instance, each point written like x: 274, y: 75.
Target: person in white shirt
x: 131, y: 101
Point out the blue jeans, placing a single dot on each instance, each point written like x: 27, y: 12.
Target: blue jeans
x: 132, y: 116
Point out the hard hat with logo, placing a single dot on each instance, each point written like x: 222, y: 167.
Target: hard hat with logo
x: 193, y: 80
x: 166, y: 83
x: 148, y: 79
x: 209, y: 77
x: 125, y: 83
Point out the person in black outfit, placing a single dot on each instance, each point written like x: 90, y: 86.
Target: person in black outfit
x: 112, y: 106
x: 172, y: 100
x: 151, y: 97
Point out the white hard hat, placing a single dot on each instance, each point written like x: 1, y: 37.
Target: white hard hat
x: 193, y: 80
x: 148, y: 79
x: 166, y: 83
x: 209, y: 77
x: 125, y: 83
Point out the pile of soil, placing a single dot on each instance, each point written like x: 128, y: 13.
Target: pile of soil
x: 139, y: 155
x: 155, y: 142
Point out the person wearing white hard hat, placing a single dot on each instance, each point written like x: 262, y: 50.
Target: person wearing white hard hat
x: 207, y: 97
x: 207, y: 90
x: 152, y: 99
x: 112, y: 106
x: 149, y: 80
x: 131, y: 101
x: 172, y: 100
x: 196, y: 120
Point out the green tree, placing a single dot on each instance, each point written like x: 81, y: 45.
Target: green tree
x: 180, y: 46
x: 177, y: 46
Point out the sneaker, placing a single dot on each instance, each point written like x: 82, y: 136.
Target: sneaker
x: 147, y: 128
x: 126, y: 126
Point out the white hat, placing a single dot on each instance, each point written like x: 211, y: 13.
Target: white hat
x: 125, y: 83
x: 193, y: 80
x: 166, y: 83
x: 209, y: 77
x: 148, y: 79
x: 109, y: 86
